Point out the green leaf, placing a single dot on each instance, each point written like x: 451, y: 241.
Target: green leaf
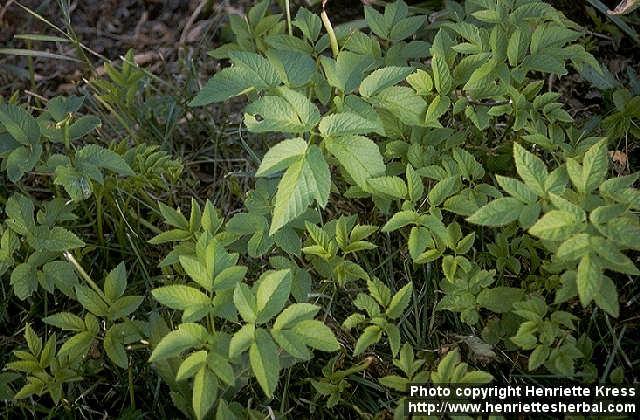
x: 607, y: 297
x: 403, y: 103
x: 124, y: 306
x: 173, y: 217
x: 19, y: 124
x: 193, y: 302
x: 116, y: 282
x: 102, y: 158
x: 309, y: 23
x: 359, y: 156
x: 406, y: 27
x: 265, y: 362
x: 517, y: 189
x: 24, y: 280
x: 205, y: 392
x: 34, y: 343
x: 191, y: 365
x: 272, y: 294
x: 91, y: 301
x: 77, y: 346
x: 22, y: 160
x: 317, y: 335
x: 292, y: 60
x: 401, y: 219
x: 65, y: 321
x: 245, y: 302
x: 175, y: 342
x: 530, y: 168
x: 442, y: 79
x: 241, y: 340
x: 443, y: 189
x: 391, y: 186
x: 498, y: 212
x: 290, y: 112
x: 219, y: 364
x: 437, y: 108
x: 20, y: 210
x: 114, y: 347
x: 294, y: 314
x: 347, y: 71
x: 399, y: 302
x: 345, y: 124
x: 292, y: 343
x: 382, y: 79
x: 556, y: 225
x: 589, y: 279
x: 594, y: 167
x: 376, y: 22
x: 280, y: 156
x: 421, y: 82
x: 538, y: 357
x: 551, y: 35
x: 223, y: 85
x: 500, y: 299
x: 306, y: 180
x: 370, y: 336
x: 250, y: 70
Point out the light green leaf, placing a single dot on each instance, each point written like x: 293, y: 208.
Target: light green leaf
x: 245, y: 302
x: 498, y: 212
x: 530, y: 168
x: 589, y: 279
x: 241, y: 340
x: 205, y: 392
x: 421, y: 82
x: 280, y: 156
x: 370, y: 336
x: 19, y: 124
x: 500, y: 299
x: 115, y: 282
x: 272, y: 294
x: 191, y: 365
x: 391, y: 186
x: 65, y: 321
x: 291, y: 112
x: 306, y: 180
x: 359, y: 156
x: 517, y: 189
x: 317, y: 335
x: 345, y: 124
x: 114, y: 347
x: 443, y: 189
x: 24, y: 280
x: 294, y: 314
x: 556, y: 225
x: 265, y: 362
x: 399, y: 302
x: 442, y: 79
x: 383, y: 78
x: 175, y: 342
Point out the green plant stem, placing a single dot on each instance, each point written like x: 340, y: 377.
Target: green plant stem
x: 132, y: 398
x: 69, y: 257
x: 332, y: 35
x: 99, y: 218
x: 287, y: 7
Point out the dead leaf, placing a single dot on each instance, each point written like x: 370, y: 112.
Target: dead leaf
x: 480, y: 350
x: 625, y: 7
x: 620, y: 160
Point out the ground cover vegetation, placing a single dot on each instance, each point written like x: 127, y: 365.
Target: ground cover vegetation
x: 409, y: 196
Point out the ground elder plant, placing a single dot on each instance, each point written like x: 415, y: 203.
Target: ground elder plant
x: 416, y: 175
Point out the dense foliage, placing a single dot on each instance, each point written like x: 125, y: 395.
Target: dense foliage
x: 417, y: 174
